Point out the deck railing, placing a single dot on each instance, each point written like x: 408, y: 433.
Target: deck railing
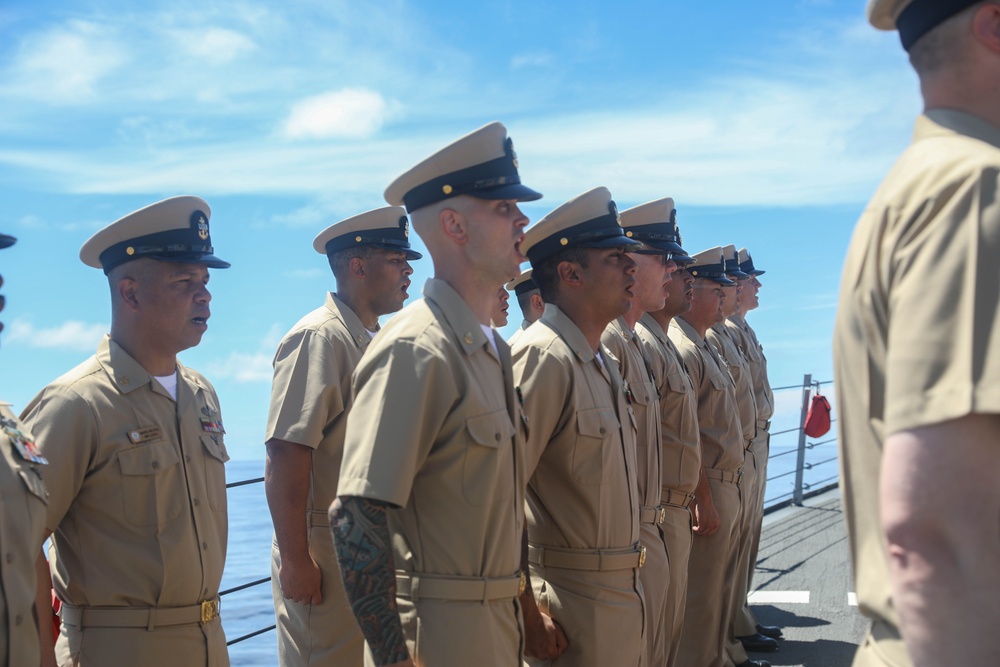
x: 800, y: 488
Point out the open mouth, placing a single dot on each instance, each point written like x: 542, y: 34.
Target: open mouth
x: 200, y: 321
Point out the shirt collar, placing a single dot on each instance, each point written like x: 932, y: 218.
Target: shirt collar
x: 457, y: 314
x: 353, y: 323
x: 559, y: 322
x: 654, y: 327
x: 942, y: 122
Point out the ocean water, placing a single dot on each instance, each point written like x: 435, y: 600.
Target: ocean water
x: 250, y: 534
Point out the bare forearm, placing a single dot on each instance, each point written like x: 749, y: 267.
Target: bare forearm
x: 364, y: 551
x: 286, y: 485
x: 940, y: 506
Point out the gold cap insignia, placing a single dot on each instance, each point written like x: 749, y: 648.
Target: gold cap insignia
x: 358, y: 239
x: 447, y: 189
x: 202, y: 227
x: 628, y: 234
x: 564, y: 241
x: 130, y: 250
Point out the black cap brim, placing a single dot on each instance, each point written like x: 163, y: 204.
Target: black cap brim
x: 608, y: 242
x: 514, y: 191
x: 7, y: 241
x: 211, y: 261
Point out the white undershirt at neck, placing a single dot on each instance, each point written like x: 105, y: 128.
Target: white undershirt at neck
x: 491, y: 337
x: 169, y: 382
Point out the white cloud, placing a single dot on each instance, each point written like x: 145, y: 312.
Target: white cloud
x: 533, y: 59
x: 71, y: 335
x: 243, y: 367
x: 216, y: 46
x: 64, y: 64
x: 249, y: 367
x: 352, y: 113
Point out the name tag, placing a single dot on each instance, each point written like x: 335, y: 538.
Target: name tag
x: 144, y: 434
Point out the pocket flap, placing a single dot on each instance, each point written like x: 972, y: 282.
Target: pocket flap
x: 216, y: 449
x: 596, y: 423
x: 490, y: 429
x: 148, y: 459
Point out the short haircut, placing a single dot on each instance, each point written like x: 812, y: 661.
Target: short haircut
x: 546, y: 274
x: 524, y: 299
x: 340, y: 261
x: 942, y: 45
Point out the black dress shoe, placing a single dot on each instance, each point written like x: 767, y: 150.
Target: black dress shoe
x: 772, y: 631
x: 759, y: 643
x: 754, y: 663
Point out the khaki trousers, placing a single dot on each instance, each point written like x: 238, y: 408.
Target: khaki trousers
x: 191, y: 645
x: 676, y: 529
x: 711, y: 577
x: 326, y: 634
x: 459, y: 633
x: 736, y: 654
x: 746, y: 622
x: 654, y: 576
x: 601, y: 613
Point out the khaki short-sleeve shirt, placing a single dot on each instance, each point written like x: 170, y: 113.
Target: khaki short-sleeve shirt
x: 137, y: 484
x: 718, y: 416
x: 435, y: 431
x: 730, y: 352
x: 625, y: 346
x: 916, y: 341
x: 581, y: 439
x: 680, y: 449
x: 23, y: 498
x: 746, y: 338
x: 311, y: 391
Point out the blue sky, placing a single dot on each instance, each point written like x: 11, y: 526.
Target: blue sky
x: 770, y: 124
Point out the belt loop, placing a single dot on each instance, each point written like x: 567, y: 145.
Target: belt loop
x: 414, y: 588
x: 151, y: 624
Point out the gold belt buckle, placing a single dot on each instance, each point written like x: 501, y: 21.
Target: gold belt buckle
x: 663, y: 515
x: 642, y: 556
x: 209, y: 610
x: 522, y: 583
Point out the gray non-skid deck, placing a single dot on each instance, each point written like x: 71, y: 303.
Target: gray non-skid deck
x: 804, y: 555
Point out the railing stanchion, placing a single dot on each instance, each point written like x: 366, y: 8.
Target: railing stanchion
x: 800, y: 465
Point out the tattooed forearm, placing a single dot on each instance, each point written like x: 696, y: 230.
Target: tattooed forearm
x: 364, y: 551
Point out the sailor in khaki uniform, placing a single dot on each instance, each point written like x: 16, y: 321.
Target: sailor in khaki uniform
x: 680, y: 447
x: 712, y: 568
x: 430, y: 513
x: 737, y: 326
x: 369, y: 255
x: 730, y: 351
x: 917, y: 357
x: 136, y: 450
x: 654, y: 267
x: 23, y: 500
x: 529, y: 299
x: 583, y: 503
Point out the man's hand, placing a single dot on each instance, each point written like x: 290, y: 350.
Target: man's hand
x: 544, y: 639
x: 706, y: 517
x: 300, y: 580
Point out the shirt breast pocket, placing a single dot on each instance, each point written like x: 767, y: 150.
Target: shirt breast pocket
x: 678, y: 382
x: 719, y: 381
x: 593, y: 428
x: 215, y: 471
x: 488, y: 465
x: 153, y: 491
